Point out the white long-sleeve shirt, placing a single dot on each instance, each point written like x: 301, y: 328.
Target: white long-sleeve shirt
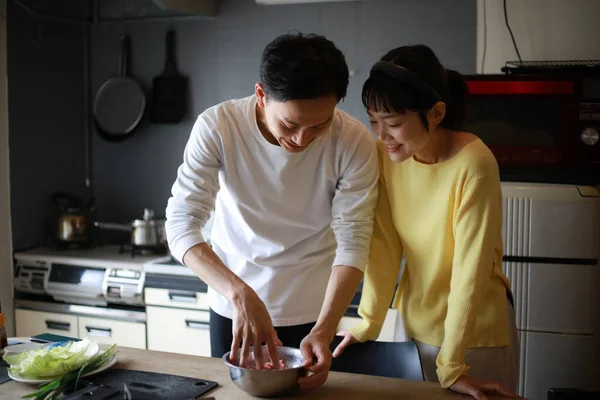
x: 281, y: 220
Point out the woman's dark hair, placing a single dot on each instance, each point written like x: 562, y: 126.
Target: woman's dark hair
x: 385, y: 93
x: 297, y: 66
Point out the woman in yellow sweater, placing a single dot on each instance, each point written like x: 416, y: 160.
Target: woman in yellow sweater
x: 440, y: 206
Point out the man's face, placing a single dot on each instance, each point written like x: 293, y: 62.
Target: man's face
x: 294, y: 124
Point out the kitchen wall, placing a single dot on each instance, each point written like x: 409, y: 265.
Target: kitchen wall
x: 543, y: 30
x: 46, y: 112
x: 221, y: 57
x: 5, y: 243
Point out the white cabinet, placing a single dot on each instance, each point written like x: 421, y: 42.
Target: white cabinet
x: 558, y: 360
x: 555, y: 297
x: 129, y: 334
x: 176, y: 298
x: 564, y: 227
x: 178, y: 321
x: 387, y: 331
x: 562, y: 298
x: 178, y: 330
x: 542, y: 220
x: 107, y: 331
x: 30, y: 323
x: 552, y: 234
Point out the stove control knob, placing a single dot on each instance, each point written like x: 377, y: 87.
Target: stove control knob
x: 590, y: 135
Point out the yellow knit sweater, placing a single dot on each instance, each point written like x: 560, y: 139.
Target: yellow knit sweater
x: 446, y: 218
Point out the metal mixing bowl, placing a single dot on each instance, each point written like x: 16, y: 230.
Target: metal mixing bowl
x: 268, y: 383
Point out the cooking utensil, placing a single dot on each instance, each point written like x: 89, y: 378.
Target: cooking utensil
x: 72, y: 221
x: 120, y: 102
x: 268, y: 383
x: 169, y: 99
x: 126, y: 384
x: 146, y: 232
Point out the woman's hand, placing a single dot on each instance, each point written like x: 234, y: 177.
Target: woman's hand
x: 477, y: 389
x: 346, y: 341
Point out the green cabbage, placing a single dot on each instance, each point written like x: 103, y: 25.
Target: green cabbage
x: 51, y: 361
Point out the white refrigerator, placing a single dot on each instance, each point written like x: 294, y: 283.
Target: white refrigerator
x: 551, y: 249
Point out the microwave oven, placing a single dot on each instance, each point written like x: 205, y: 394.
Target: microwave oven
x: 540, y: 127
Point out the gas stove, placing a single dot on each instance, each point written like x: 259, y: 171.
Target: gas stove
x: 94, y: 276
x: 100, y: 256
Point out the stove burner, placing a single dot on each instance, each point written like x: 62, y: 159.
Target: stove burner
x: 62, y: 245
x: 136, y: 250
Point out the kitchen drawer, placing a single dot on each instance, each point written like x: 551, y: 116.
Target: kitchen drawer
x: 30, y: 323
x: 562, y: 298
x: 178, y: 330
x: 387, y: 331
x: 558, y: 360
x: 128, y: 334
x: 555, y: 297
x: 176, y: 298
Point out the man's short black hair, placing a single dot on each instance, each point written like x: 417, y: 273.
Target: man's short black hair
x: 296, y: 66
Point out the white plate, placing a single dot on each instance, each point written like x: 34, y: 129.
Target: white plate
x: 21, y: 347
x: 106, y: 365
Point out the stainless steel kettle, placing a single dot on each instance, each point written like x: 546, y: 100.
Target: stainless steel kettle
x: 146, y: 232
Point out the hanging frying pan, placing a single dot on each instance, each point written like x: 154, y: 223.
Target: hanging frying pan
x: 120, y: 102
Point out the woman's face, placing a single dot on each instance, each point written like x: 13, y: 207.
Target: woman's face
x: 403, y: 135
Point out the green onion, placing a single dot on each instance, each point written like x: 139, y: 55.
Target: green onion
x: 69, y: 381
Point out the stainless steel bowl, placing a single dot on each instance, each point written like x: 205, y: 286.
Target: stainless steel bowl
x: 269, y: 383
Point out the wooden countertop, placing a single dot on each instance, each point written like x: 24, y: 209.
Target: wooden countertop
x: 339, y: 385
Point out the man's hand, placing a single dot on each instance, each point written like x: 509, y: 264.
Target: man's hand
x: 252, y: 325
x: 341, y: 287
x: 251, y: 322
x: 315, y: 346
x: 476, y: 388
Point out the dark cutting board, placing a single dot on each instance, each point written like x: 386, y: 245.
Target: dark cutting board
x: 3, y: 372
x: 110, y: 385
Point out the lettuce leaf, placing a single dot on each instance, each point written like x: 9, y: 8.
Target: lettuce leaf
x: 51, y: 361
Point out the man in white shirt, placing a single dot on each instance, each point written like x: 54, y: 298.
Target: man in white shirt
x: 295, y: 184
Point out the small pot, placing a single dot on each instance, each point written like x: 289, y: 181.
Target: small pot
x: 147, y: 232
